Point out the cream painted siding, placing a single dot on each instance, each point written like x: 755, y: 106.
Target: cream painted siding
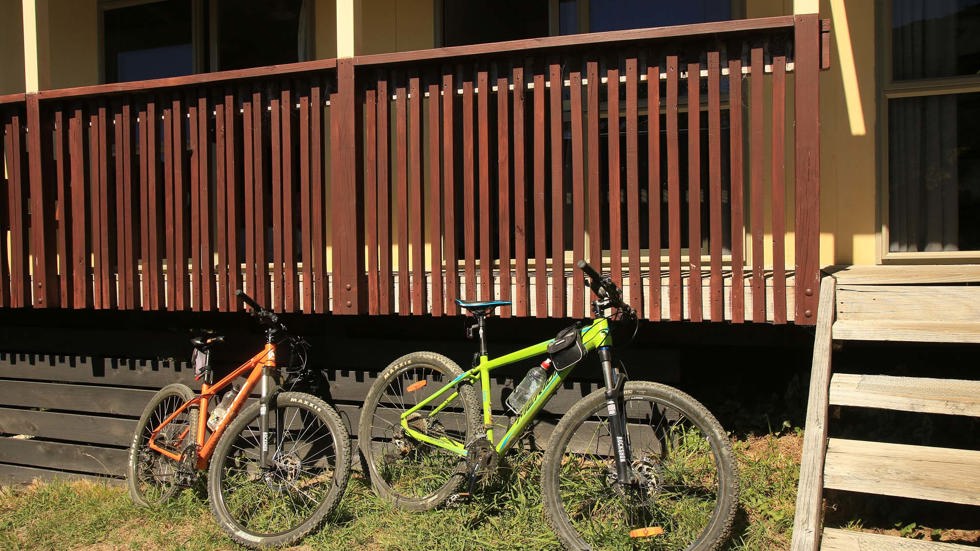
x: 396, y: 26
x: 73, y: 30
x: 11, y: 47
x: 325, y: 13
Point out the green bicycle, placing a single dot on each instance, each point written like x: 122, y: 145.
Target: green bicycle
x: 634, y: 465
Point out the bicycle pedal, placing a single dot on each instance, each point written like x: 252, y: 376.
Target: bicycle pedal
x: 647, y: 532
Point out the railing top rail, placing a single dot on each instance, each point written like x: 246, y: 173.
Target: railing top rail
x: 583, y: 40
x: 13, y: 98
x: 190, y: 80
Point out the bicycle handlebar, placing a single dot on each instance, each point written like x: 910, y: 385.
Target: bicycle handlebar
x: 266, y: 317
x: 603, y: 287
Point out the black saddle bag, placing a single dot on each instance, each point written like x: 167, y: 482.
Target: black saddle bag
x: 567, y: 348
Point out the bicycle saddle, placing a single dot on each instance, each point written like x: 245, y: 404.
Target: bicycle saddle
x: 205, y: 341
x: 481, y: 308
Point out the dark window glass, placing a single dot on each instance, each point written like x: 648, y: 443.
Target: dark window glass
x: 615, y: 15
x: 934, y: 173
x: 479, y: 21
x: 260, y: 32
x: 148, y: 41
x: 935, y: 38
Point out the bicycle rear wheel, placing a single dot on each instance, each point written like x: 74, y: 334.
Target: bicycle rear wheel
x: 151, y: 477
x: 306, y: 475
x: 686, y: 494
x: 413, y: 474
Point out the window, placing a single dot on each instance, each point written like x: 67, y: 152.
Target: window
x: 931, y: 102
x: 166, y: 38
x: 616, y: 15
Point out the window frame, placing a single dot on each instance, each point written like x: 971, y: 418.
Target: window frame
x: 889, y: 89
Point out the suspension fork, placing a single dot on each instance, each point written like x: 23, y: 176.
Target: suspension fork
x: 615, y: 406
x: 266, y: 396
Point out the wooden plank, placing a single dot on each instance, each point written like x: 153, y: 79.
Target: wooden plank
x: 483, y: 133
x: 248, y: 175
x: 592, y: 145
x: 919, y: 472
x: 70, y: 457
x: 757, y: 154
x: 521, y: 298
x: 633, y: 185
x: 152, y: 220
x: 695, y: 310
x: 261, y: 290
x: 79, y: 238
x: 105, y: 219
x: 120, y: 207
x: 578, y: 192
x: 539, y: 211
x: 318, y: 239
x: 289, y: 286
x: 370, y: 196
x: 806, y: 43
x: 654, y: 191
x: 415, y: 209
x: 557, y: 193
x: 231, y: 206
x: 194, y: 187
x: 449, y: 193
x: 435, y: 199
x: 736, y: 194
x: 835, y: 539
x: 277, y: 211
x: 503, y: 192
x: 43, y: 260
x: 716, y: 282
x: 908, y: 303
x: 386, y: 303
x: 66, y: 369
x: 67, y: 397
x: 469, y: 184
x: 95, y: 207
x: 178, y: 267
x: 778, y: 180
x: 205, y: 246
x: 130, y: 285
x: 5, y: 214
x: 907, y: 330
x: 916, y: 394
x: 401, y: 199
x: 168, y: 207
x: 673, y: 191
x: 306, y: 226
x: 615, y: 186
x: 62, y: 214
x: 145, y: 166
x: 910, y: 275
x: 20, y: 289
x: 809, y: 495
x: 113, y: 431
x: 221, y: 201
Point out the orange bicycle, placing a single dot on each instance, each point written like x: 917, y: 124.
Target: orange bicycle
x: 278, y: 466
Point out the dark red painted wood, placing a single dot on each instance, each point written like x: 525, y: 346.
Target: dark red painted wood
x: 42, y: 245
x: 673, y: 191
x: 539, y: 204
x: 204, y: 183
x: 736, y: 194
x: 278, y: 211
x: 96, y: 207
x: 401, y: 200
x: 592, y: 144
x: 435, y: 199
x: 778, y: 197
x: 305, y: 200
x: 694, y: 190
x: 232, y: 193
x: 469, y: 191
x: 221, y: 201
x: 386, y: 303
x: 557, y: 193
x: 415, y: 212
x: 153, y: 220
x: 195, y: 199
x: 521, y: 287
x: 20, y: 291
x: 371, y: 196
x: 290, y: 285
x: 578, y: 193
x: 248, y: 176
x: 654, y: 191
x: 633, y: 184
x: 261, y: 225
x: 318, y: 241
x: 756, y: 157
x: 615, y: 185
x: 180, y: 212
x: 79, y: 239
x: 449, y: 192
x: 486, y: 229
x: 714, y: 183
x: 807, y: 43
x: 119, y: 183
x: 503, y: 191
x: 62, y: 214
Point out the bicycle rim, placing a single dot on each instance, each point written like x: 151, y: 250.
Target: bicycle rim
x: 684, y: 498
x: 413, y: 473
x: 304, y: 478
x: 154, y: 478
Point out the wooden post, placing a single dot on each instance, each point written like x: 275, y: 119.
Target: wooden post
x: 42, y: 223
x: 347, y: 236
x: 807, y: 40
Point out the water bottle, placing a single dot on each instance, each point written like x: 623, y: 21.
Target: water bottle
x: 222, y: 408
x: 529, y: 386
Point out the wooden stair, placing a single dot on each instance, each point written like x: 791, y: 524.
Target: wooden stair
x: 906, y: 304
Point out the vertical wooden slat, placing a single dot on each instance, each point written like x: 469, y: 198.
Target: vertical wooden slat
x: 168, y: 206
x: 63, y: 214
x: 248, y: 175
x: 386, y: 302
x: 401, y: 199
x: 180, y: 219
x: 345, y: 194
x: 714, y: 175
x: 194, y: 187
x: 469, y: 208
x: 778, y: 189
x: 449, y: 193
x: 318, y: 242
x: 20, y: 291
x: 96, y: 207
x: 633, y: 184
x: 231, y: 205
x: 415, y: 195
x: 615, y: 187
x: 694, y: 190
x: 736, y: 194
x: 105, y: 222
x: 306, y: 226
x: 129, y: 202
x: 261, y: 258
x: 42, y: 248
x: 539, y: 212
x: 371, y: 195
x: 5, y: 129
x: 121, y: 180
x: 289, y: 285
x: 277, y: 153
x: 557, y: 193
x: 756, y: 154
x: 654, y: 190
x: 204, y: 179
x: 76, y: 145
x: 221, y: 201
x: 673, y: 191
x: 578, y: 192
x: 483, y: 125
x: 520, y: 198
x: 503, y: 191
x: 153, y: 221
x: 595, y: 232
x: 435, y: 200
x: 807, y: 41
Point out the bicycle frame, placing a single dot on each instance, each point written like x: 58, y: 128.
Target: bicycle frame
x: 261, y: 366
x: 595, y: 336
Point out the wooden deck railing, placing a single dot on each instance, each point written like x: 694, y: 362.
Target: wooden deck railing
x: 414, y: 178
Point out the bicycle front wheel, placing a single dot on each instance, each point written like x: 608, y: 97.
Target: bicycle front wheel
x: 307, y: 468
x: 151, y: 477
x: 686, y: 490
x: 413, y: 474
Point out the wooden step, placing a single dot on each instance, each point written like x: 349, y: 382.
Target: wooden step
x: 848, y: 540
x: 916, y: 313
x: 916, y: 394
x: 920, y: 472
x: 906, y: 331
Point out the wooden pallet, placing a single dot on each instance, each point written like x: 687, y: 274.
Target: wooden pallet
x: 879, y: 304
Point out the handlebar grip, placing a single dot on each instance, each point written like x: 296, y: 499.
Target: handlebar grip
x: 595, y: 280
x: 249, y: 301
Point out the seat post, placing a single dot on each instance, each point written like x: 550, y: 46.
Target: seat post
x: 481, y: 325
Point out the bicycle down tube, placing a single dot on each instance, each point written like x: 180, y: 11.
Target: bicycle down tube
x: 594, y: 336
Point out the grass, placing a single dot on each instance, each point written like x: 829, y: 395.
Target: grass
x: 506, y: 514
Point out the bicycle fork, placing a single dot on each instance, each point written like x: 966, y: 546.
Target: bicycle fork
x: 265, y: 400
x: 615, y: 406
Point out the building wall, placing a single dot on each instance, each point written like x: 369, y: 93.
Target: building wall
x: 396, y: 26
x: 325, y: 13
x: 73, y: 30
x: 11, y: 47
